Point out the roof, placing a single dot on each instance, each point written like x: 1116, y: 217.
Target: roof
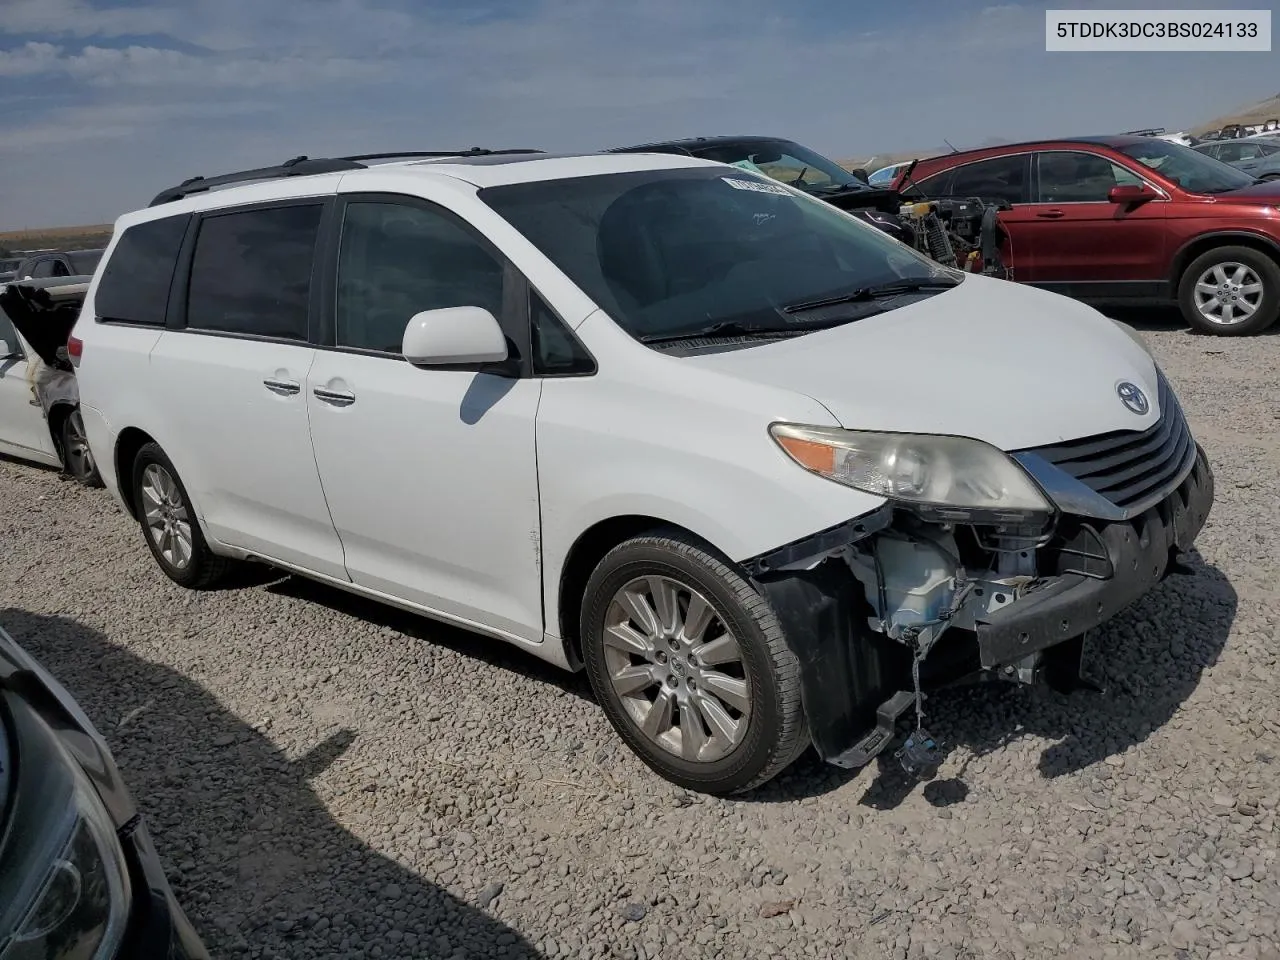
x: 475, y: 171
x: 699, y: 143
x: 1114, y: 141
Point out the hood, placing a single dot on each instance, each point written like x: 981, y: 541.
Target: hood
x: 990, y: 359
x: 1264, y: 191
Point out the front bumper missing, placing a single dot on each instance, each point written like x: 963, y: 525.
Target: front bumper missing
x: 1139, y: 553
x: 853, y: 679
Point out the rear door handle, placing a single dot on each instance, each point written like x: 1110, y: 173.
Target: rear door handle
x: 1050, y: 214
x: 339, y: 398
x: 284, y: 387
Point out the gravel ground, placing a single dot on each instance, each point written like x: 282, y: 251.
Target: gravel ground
x: 328, y: 778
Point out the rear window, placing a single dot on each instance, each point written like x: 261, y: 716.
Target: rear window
x: 135, y: 282
x: 251, y: 272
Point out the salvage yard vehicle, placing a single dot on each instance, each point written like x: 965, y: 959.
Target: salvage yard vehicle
x: 1123, y: 219
x: 1257, y: 156
x: 769, y: 475
x: 58, y: 263
x: 79, y: 875
x: 955, y: 231
x: 39, y: 402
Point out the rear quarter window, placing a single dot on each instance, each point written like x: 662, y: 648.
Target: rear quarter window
x: 135, y: 282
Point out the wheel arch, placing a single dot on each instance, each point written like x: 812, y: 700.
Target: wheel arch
x: 586, y: 553
x: 58, y: 413
x: 1225, y: 238
x: 130, y: 441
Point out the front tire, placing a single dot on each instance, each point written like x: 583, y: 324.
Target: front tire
x: 77, y: 458
x: 169, y: 523
x: 1230, y: 292
x: 689, y: 663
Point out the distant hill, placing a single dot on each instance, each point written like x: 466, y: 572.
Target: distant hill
x: 62, y: 238
x: 1268, y: 109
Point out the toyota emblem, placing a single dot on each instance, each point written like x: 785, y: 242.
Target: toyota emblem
x: 1131, y: 396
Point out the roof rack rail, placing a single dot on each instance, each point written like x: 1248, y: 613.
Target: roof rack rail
x: 306, y: 166
x: 432, y: 154
x: 1145, y: 132
x: 297, y: 167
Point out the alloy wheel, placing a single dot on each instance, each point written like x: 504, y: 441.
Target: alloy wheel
x: 167, y: 520
x: 677, y: 668
x: 80, y: 462
x: 1228, y: 293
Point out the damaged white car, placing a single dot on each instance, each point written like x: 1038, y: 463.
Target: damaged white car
x: 39, y: 404
x: 768, y: 474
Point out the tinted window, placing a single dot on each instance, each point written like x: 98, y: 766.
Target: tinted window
x: 555, y: 349
x: 47, y: 268
x: 398, y: 260
x: 85, y: 262
x: 135, y: 282
x: 251, y: 272
x: 935, y: 186
x: 1070, y: 177
x: 1000, y: 178
x: 672, y: 251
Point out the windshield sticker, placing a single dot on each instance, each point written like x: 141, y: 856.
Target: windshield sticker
x: 757, y: 186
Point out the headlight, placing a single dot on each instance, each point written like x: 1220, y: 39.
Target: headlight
x: 80, y: 903
x: 914, y: 468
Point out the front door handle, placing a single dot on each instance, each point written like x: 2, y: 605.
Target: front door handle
x: 285, y: 388
x: 339, y: 398
x: 1050, y: 214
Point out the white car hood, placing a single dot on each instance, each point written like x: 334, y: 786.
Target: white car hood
x: 991, y: 359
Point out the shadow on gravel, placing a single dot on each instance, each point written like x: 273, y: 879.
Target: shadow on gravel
x: 494, y: 653
x: 1149, y: 660
x: 255, y: 858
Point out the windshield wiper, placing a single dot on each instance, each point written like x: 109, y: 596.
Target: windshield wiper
x: 876, y: 292
x: 726, y: 328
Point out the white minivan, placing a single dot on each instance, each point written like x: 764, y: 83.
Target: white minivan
x: 769, y: 475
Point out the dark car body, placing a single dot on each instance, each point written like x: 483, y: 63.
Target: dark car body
x: 1259, y: 156
x: 60, y: 263
x: 46, y: 739
x: 1070, y: 233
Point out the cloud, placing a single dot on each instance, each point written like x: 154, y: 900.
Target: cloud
x: 163, y: 89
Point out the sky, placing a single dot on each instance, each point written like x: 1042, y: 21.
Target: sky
x: 105, y: 102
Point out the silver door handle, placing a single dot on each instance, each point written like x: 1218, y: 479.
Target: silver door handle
x: 340, y: 398
x: 286, y: 387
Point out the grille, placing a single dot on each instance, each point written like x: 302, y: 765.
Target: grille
x: 1130, y: 467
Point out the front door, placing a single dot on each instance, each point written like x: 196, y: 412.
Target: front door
x: 430, y: 474
x: 1006, y: 178
x: 1080, y: 238
x: 238, y: 431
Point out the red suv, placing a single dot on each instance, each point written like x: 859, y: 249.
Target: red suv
x: 1128, y: 220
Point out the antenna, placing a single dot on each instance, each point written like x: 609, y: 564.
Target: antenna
x: 949, y: 144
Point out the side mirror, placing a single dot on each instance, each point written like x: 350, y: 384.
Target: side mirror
x: 452, y: 336
x: 1130, y: 193
x: 860, y: 174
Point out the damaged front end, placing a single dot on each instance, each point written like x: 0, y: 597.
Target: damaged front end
x: 44, y: 313
x: 911, y: 598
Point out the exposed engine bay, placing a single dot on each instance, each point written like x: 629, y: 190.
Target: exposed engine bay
x: 961, y: 232
x: 897, y: 604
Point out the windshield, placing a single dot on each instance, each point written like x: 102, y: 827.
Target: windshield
x: 786, y: 161
x: 1190, y: 169
x: 666, y: 252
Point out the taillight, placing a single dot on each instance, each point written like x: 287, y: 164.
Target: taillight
x: 75, y: 350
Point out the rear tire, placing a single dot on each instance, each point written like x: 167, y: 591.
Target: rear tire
x: 77, y: 458
x: 169, y: 524
x: 689, y: 663
x: 1230, y: 292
